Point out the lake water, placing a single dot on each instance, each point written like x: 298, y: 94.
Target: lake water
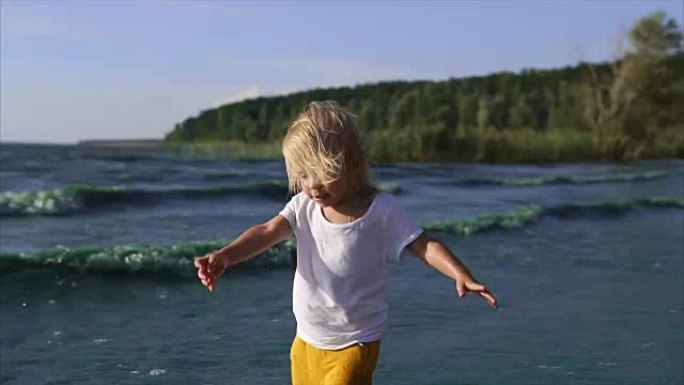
x: 96, y: 248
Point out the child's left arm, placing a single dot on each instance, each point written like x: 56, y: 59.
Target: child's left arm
x: 438, y: 256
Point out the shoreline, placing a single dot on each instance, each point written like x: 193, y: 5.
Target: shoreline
x: 272, y: 151
x: 122, y: 143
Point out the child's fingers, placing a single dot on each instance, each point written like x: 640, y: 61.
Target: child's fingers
x: 205, y: 272
x: 216, y: 266
x: 489, y: 297
x: 206, y: 279
x: 201, y: 270
x: 474, y: 286
x: 208, y: 283
x: 213, y: 263
x: 464, y: 287
x: 482, y: 290
x: 202, y: 274
x: 209, y: 268
x: 200, y: 262
x: 461, y: 289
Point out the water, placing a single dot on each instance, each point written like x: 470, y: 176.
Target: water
x: 97, y: 284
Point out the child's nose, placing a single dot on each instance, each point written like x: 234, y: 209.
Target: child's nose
x: 315, y: 185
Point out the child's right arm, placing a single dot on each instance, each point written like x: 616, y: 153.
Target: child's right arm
x: 252, y: 242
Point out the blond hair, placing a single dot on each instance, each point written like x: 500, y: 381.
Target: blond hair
x: 323, y: 144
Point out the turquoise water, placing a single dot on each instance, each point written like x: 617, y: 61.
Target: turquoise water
x: 587, y: 261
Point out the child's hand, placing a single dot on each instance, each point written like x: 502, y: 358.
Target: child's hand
x: 209, y: 269
x: 468, y: 284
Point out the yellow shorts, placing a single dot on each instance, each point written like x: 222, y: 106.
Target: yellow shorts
x: 352, y: 365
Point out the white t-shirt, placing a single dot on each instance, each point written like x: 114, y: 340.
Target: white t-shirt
x: 340, y: 285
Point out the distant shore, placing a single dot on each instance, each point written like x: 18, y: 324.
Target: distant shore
x: 118, y: 143
x: 523, y: 146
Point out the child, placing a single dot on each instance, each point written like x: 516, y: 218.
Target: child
x: 347, y: 234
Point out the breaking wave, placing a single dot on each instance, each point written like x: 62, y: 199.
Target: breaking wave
x: 562, y: 179
x: 82, y: 198
x: 142, y: 260
x: 531, y: 214
x: 178, y: 259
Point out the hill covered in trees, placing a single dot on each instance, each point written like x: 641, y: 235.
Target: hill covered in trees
x: 631, y: 108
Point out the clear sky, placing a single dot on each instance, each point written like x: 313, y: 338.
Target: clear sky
x: 72, y: 70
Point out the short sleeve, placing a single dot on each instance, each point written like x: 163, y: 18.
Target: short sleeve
x: 290, y: 211
x: 402, y: 230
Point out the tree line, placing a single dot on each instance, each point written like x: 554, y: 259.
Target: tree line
x: 613, y: 110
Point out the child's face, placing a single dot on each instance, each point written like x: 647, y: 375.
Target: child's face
x: 324, y: 194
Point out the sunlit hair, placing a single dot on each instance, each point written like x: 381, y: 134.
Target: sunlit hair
x: 322, y: 145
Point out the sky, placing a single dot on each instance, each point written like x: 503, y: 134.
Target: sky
x: 77, y: 70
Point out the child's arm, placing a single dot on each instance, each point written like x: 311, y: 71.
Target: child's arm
x: 252, y: 242
x: 438, y: 256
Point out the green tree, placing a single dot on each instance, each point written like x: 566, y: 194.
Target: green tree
x: 618, y: 101
x: 653, y: 35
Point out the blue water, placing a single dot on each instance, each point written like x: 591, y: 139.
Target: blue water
x: 97, y: 285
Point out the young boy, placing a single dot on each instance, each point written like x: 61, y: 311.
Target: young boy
x: 348, y: 234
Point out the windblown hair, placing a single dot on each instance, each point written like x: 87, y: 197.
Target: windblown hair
x: 323, y: 143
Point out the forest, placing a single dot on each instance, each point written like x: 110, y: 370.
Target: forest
x: 630, y: 108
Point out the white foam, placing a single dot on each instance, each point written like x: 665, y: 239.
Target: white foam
x: 157, y: 372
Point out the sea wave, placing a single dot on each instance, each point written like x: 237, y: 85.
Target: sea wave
x: 564, y: 179
x: 139, y: 260
x: 530, y: 214
x: 82, y: 198
x: 513, y: 219
x: 178, y: 259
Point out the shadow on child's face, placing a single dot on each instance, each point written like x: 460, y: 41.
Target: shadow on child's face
x: 325, y: 194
